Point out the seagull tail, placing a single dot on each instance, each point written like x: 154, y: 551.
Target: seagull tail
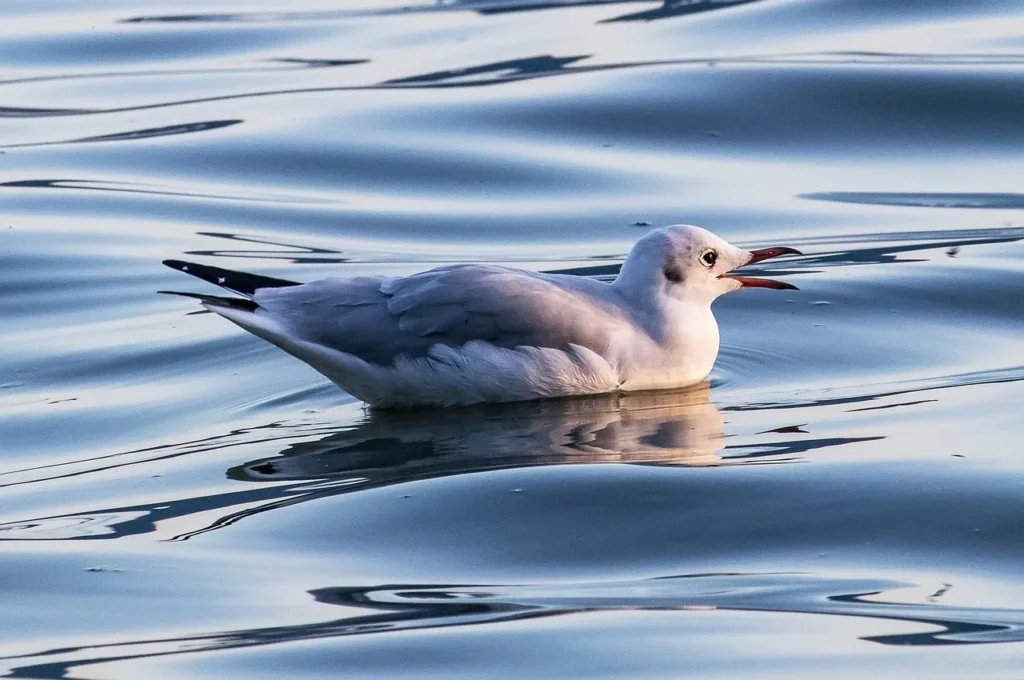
x: 239, y: 283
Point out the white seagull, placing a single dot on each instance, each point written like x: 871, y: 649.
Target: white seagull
x: 471, y: 333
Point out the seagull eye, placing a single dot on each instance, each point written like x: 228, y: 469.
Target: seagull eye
x: 709, y: 257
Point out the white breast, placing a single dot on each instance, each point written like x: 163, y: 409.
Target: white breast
x: 680, y: 350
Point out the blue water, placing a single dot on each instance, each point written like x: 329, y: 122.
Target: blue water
x: 845, y: 497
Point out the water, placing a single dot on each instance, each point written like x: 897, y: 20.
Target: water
x: 181, y: 500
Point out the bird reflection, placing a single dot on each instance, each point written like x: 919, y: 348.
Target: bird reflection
x: 664, y: 428
x: 392, y: 447
x: 659, y: 428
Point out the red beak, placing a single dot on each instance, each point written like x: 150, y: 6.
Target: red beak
x: 760, y: 256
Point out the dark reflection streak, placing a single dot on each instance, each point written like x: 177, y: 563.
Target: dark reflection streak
x: 514, y: 8
x: 20, y: 112
x: 103, y: 468
x: 793, y: 448
x: 283, y: 256
x: 290, y: 64
x: 291, y: 254
x: 950, y: 627
x: 677, y: 8
x: 519, y: 67
x: 1005, y: 375
x: 122, y: 187
x: 821, y: 59
x: 965, y: 201
x: 904, y: 403
x: 151, y: 514
x: 318, y: 63
x: 788, y: 429
x: 302, y: 254
x: 940, y: 58
x: 132, y: 135
x: 235, y: 517
x: 204, y: 444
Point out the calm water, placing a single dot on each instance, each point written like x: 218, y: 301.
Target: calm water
x: 181, y: 500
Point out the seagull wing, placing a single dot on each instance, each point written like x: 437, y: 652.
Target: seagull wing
x: 378, y: 319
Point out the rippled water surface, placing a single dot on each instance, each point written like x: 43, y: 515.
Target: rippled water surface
x: 846, y: 496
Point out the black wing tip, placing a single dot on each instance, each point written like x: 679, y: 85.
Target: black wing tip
x: 187, y: 267
x: 237, y: 282
x: 215, y: 300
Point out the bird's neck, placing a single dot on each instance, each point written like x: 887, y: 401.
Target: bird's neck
x: 686, y: 326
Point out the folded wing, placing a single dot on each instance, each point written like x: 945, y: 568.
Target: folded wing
x: 378, y: 319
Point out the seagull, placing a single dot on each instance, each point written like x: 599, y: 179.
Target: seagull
x: 472, y: 333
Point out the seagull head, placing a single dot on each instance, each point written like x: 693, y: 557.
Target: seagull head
x: 692, y: 264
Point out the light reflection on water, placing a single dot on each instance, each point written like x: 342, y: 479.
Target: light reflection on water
x: 848, y: 481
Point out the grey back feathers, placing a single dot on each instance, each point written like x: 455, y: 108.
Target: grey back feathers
x: 378, y: 319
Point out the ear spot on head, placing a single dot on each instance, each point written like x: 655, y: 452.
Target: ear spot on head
x: 708, y: 258
x: 673, y: 274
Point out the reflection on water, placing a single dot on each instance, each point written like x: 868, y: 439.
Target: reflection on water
x: 386, y: 448
x: 665, y: 428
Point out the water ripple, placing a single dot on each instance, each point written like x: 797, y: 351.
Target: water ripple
x: 389, y: 609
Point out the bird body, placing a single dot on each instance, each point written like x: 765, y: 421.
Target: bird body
x: 466, y: 334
